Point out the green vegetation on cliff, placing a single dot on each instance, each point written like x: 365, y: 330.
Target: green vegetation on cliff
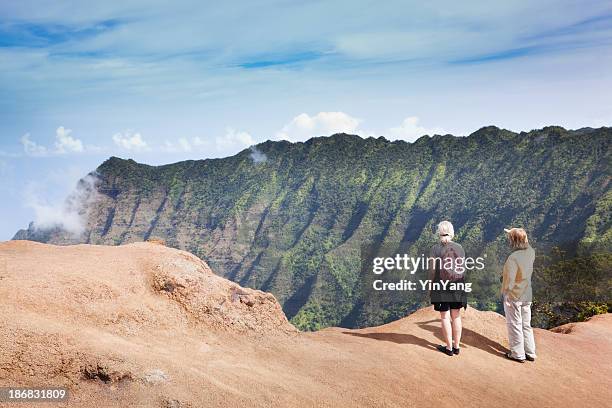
x: 294, y: 223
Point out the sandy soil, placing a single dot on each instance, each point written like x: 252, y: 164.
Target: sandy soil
x: 143, y: 325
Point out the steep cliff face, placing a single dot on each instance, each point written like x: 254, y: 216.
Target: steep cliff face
x: 292, y: 222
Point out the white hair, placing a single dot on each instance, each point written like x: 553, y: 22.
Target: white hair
x: 446, y: 232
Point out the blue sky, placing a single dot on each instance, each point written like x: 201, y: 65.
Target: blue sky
x: 162, y: 81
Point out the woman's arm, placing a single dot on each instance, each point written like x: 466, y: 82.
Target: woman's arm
x: 509, y: 276
x: 432, y: 265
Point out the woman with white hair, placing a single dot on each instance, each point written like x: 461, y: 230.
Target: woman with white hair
x: 448, y: 266
x: 517, y: 293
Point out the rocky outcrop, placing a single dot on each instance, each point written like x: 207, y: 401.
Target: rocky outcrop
x: 148, y: 326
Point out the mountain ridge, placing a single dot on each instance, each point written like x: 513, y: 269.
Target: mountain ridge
x: 476, y: 133
x: 293, y: 224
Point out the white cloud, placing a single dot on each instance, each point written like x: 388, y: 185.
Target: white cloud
x: 69, y: 214
x: 385, y: 62
x: 410, y: 130
x: 300, y: 128
x: 257, y: 155
x: 229, y: 143
x: 130, y: 141
x: 233, y: 140
x: 31, y: 148
x: 66, y: 143
x: 304, y: 126
x: 185, y: 145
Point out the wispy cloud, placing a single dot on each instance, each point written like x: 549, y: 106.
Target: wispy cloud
x: 69, y: 214
x: 257, y: 155
x: 36, y: 35
x: 304, y: 126
x: 64, y: 143
x: 234, y: 140
x: 589, y: 25
x: 130, y: 141
x: 181, y: 145
x: 285, y: 36
x: 31, y: 148
x: 410, y: 130
x: 162, y: 65
x: 498, y: 55
x: 287, y: 59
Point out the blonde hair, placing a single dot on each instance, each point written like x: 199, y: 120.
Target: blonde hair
x: 517, y: 238
x: 446, y: 232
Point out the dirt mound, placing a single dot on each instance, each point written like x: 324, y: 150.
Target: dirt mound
x: 145, y: 325
x: 132, y: 287
x: 65, y: 309
x: 213, y: 300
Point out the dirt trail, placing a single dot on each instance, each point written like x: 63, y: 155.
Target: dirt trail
x: 145, y: 325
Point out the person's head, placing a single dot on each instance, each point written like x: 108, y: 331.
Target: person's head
x: 446, y: 232
x: 517, y: 238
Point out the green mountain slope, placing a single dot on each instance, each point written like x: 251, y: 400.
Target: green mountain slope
x: 294, y: 223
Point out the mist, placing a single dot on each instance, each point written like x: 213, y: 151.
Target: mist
x: 69, y: 214
x: 257, y: 155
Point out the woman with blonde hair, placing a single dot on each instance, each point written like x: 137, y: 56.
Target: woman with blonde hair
x: 517, y: 294
x: 448, y: 266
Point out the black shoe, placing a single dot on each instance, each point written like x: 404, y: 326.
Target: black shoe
x: 445, y: 350
x: 529, y: 358
x: 456, y: 350
x: 518, y: 360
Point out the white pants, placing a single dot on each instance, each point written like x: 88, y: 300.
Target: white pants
x: 520, y: 333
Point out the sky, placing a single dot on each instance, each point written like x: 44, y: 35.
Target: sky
x: 161, y: 81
